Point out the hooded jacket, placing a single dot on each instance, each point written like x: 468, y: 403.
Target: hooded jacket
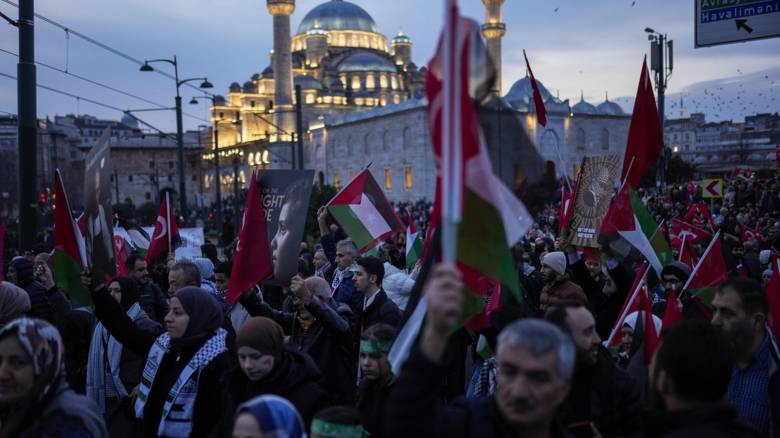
x: 39, y: 304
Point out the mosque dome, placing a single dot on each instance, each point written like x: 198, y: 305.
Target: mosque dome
x: 583, y: 107
x: 366, y: 61
x: 308, y: 82
x: 338, y: 15
x: 130, y: 121
x: 219, y: 100
x: 235, y: 87
x: 250, y: 87
x: 610, y: 108
x: 268, y: 72
x: 522, y: 91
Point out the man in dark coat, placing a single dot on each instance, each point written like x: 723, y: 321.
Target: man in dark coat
x: 535, y: 366
x: 602, y: 394
x: 341, y: 260
x: 376, y: 307
x: 151, y: 297
x: 691, y: 374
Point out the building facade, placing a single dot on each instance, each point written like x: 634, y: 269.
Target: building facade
x: 716, y: 148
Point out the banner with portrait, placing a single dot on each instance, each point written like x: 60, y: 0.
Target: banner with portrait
x: 285, y: 195
x: 592, y: 200
x: 97, y: 210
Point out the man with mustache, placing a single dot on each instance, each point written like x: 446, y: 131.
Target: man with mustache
x: 603, y: 396
x: 535, y: 361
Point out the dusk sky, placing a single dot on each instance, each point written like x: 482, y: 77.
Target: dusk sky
x: 594, y: 46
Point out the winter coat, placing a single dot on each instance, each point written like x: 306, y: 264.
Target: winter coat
x: 346, y: 292
x: 294, y: 377
x: 604, y: 394
x: 208, y: 409
x: 606, y: 309
x: 562, y: 290
x: 329, y: 341
x: 397, y: 285
x: 372, y: 400
x: 413, y: 408
x: 382, y: 309
x: 66, y: 414
x: 714, y: 420
x: 25, y: 278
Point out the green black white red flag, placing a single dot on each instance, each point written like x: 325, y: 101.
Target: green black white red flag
x: 363, y: 211
x: 69, y: 250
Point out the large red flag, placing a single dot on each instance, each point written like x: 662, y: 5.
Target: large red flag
x: 702, y: 209
x: 687, y: 255
x: 252, y: 262
x: 645, y: 139
x: 567, y: 207
x: 165, y: 232
x: 541, y: 112
x: 773, y: 299
x: 682, y: 229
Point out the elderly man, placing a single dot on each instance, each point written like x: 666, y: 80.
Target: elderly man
x: 535, y: 365
x: 342, y: 257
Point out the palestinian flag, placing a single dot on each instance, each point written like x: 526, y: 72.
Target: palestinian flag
x: 631, y: 221
x: 709, y: 273
x: 414, y: 244
x: 69, y: 249
x: 364, y: 212
x: 653, y: 231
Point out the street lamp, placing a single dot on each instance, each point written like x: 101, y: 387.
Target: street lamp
x: 218, y: 198
x: 179, y: 129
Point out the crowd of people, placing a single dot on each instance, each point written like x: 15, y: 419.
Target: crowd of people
x: 162, y: 354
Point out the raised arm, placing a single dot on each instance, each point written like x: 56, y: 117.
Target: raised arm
x: 119, y: 325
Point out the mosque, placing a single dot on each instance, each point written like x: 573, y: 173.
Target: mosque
x: 363, y: 103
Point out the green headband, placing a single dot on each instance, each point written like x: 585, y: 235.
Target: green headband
x: 333, y: 430
x: 375, y: 347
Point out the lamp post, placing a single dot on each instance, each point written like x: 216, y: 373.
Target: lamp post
x: 236, y: 162
x: 215, y: 148
x: 661, y: 60
x: 179, y: 129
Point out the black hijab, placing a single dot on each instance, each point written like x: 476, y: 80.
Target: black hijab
x: 129, y: 292
x: 205, y: 316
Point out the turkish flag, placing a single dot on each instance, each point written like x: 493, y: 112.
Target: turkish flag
x: 682, y: 229
x: 252, y: 262
x: 541, y: 112
x: 165, y: 232
x: 645, y: 139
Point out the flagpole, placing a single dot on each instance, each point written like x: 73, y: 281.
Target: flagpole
x: 682, y: 247
x: 628, y: 172
x: 450, y: 147
x: 628, y: 304
x: 703, y: 257
x: 168, y: 220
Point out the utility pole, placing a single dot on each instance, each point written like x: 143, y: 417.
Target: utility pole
x: 27, y: 126
x: 299, y: 125
x: 662, y: 63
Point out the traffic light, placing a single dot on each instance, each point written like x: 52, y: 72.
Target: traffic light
x: 43, y: 198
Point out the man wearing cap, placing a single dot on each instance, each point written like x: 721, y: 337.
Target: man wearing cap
x: 557, y: 286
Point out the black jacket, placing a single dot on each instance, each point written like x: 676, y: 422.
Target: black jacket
x: 606, y: 309
x: 382, y: 309
x: 294, y: 377
x: 604, y: 394
x: 413, y: 408
x: 208, y: 409
x: 153, y: 301
x: 372, y: 400
x: 329, y: 341
x: 710, y: 421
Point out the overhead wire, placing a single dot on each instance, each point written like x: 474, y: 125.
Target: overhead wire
x: 107, y: 87
x: 103, y: 46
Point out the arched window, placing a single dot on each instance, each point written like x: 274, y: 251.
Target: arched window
x: 407, y: 138
x: 605, y: 139
x: 386, y: 141
x: 579, y: 139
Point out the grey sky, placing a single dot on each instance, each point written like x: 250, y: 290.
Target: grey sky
x: 589, y: 45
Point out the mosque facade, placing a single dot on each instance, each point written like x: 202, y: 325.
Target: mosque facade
x: 363, y: 104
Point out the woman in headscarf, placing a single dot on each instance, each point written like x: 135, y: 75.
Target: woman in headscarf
x: 35, y: 399
x: 184, y: 367
x: 113, y: 372
x: 14, y: 302
x: 268, y: 366
x: 268, y: 416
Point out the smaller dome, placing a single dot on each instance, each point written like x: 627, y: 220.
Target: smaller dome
x: 402, y: 39
x: 583, y: 107
x: 366, y: 61
x: 522, y: 91
x: 219, y: 100
x: 268, y: 72
x: 250, y: 87
x: 256, y: 76
x: 130, y: 121
x: 235, y: 87
x: 308, y: 82
x: 610, y: 108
